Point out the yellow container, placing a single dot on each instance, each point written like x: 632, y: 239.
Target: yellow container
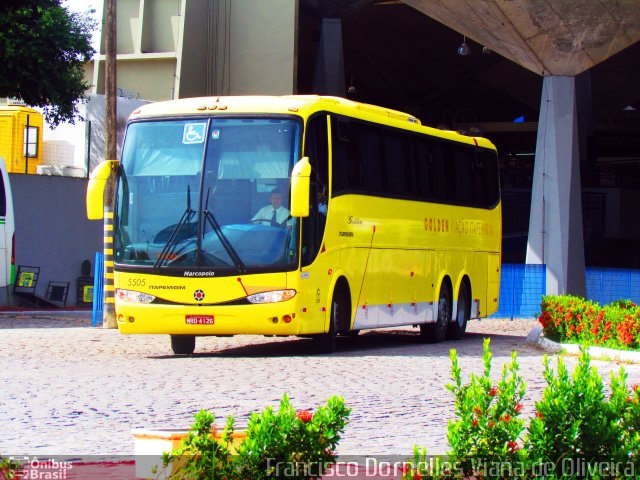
x: 14, y: 120
x: 149, y: 445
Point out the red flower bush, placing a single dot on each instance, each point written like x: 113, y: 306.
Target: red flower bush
x: 578, y: 426
x: 575, y: 320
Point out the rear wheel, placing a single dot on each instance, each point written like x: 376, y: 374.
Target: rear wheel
x: 459, y: 326
x: 437, y: 331
x: 183, y: 344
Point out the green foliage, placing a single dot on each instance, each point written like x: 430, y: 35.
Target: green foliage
x: 279, y: 444
x: 203, y: 455
x: 10, y: 469
x: 424, y: 467
x: 574, y: 320
x: 290, y: 444
x: 488, y: 416
x: 576, y: 424
x: 577, y: 432
x: 43, y: 48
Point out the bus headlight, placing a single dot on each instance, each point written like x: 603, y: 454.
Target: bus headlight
x: 272, y: 297
x: 131, y: 296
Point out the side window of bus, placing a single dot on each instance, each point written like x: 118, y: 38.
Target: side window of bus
x: 489, y: 178
x: 317, y: 149
x: 426, y: 180
x: 443, y: 169
x: 369, y: 158
x: 411, y: 179
x: 398, y: 162
x: 342, y: 150
x: 464, y: 175
x: 479, y: 193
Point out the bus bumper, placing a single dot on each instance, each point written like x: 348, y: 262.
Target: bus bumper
x: 268, y: 319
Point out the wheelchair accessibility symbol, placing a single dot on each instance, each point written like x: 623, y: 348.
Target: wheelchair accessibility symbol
x: 193, y: 133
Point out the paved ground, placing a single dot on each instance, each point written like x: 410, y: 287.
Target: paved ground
x: 69, y: 389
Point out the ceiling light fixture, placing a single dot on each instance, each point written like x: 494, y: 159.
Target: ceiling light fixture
x: 352, y: 88
x: 464, y: 49
x: 486, y: 50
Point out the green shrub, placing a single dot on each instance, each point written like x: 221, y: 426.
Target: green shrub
x: 279, y: 444
x: 290, y: 444
x: 574, y: 320
x: 484, y: 437
x: 488, y: 415
x: 10, y: 469
x: 577, y: 431
x: 203, y: 455
x: 577, y: 427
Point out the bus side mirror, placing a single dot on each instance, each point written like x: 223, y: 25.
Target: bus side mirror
x: 95, y: 189
x: 300, y: 188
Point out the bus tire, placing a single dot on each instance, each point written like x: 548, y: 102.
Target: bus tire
x: 339, y: 316
x: 459, y: 325
x: 351, y: 333
x: 436, y: 332
x: 183, y: 344
x: 326, y: 342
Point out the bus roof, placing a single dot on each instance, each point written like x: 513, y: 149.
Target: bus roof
x: 295, y: 104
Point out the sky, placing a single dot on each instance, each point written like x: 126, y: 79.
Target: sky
x: 84, y: 5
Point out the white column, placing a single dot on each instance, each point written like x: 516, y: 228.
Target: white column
x: 555, y: 223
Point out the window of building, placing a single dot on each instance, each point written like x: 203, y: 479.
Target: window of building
x: 30, y: 142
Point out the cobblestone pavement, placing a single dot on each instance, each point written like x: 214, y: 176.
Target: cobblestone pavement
x: 69, y: 389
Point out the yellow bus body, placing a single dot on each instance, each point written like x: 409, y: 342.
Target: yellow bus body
x: 394, y: 254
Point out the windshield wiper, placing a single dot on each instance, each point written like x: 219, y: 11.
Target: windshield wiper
x: 170, y: 246
x: 209, y: 217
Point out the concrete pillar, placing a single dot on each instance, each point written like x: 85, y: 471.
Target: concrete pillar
x: 329, y: 75
x: 555, y: 224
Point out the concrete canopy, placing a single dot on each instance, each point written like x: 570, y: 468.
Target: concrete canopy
x: 548, y: 37
x: 413, y: 63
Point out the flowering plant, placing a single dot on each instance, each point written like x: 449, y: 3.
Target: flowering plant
x: 279, y: 444
x: 487, y: 426
x: 488, y: 414
x: 576, y: 432
x: 576, y: 425
x: 10, y: 469
x: 572, y: 319
x: 292, y: 444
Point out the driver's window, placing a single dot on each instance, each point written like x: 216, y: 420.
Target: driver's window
x: 316, y: 149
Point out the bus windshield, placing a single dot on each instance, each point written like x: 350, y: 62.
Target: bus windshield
x: 208, y: 193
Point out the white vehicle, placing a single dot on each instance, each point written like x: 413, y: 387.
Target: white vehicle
x: 7, y: 228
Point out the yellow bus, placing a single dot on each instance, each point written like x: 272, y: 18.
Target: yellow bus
x: 299, y: 215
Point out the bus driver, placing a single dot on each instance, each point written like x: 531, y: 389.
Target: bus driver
x: 275, y: 214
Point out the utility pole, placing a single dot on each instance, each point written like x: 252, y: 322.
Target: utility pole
x: 109, y: 313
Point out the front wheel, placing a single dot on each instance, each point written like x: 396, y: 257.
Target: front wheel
x: 183, y: 344
x: 340, y: 312
x: 437, y: 331
x: 326, y: 342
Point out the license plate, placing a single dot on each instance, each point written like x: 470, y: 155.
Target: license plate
x: 198, y: 319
